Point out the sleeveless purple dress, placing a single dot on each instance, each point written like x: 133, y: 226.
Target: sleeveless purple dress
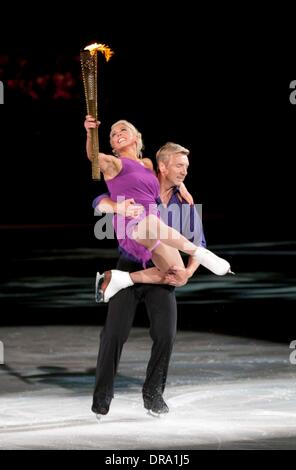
x: 137, y: 182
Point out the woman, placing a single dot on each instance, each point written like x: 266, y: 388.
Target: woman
x: 145, y: 237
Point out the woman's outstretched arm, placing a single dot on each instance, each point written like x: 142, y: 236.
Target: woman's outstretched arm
x: 109, y: 165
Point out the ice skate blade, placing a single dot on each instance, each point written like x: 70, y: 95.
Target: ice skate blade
x: 99, y: 295
x: 156, y: 415
x: 99, y: 417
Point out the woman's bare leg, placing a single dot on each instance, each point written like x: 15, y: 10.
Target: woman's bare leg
x: 147, y: 276
x: 151, y: 229
x: 164, y: 257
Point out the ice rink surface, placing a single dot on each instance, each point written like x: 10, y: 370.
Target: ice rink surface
x: 224, y: 392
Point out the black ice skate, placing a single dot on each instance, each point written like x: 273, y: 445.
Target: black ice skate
x: 101, y: 409
x: 156, y: 406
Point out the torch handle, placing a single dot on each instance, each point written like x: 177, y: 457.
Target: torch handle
x: 89, y: 66
x: 96, y: 174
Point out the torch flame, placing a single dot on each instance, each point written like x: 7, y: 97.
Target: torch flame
x: 93, y: 48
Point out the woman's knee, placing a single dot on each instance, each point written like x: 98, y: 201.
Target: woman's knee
x: 165, y: 257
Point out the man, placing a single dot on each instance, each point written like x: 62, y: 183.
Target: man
x: 160, y: 301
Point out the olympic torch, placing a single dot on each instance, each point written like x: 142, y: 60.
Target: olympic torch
x: 89, y: 66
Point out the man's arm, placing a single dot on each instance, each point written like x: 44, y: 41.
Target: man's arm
x: 126, y: 207
x: 192, y: 229
x: 103, y: 203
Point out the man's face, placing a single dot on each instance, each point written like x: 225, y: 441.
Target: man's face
x: 175, y: 169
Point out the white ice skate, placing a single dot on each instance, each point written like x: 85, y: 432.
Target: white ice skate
x: 109, y: 283
x: 212, y: 262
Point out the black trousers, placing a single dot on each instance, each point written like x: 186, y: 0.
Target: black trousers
x: 161, y: 307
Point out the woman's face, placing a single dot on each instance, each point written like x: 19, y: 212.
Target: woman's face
x: 122, y: 136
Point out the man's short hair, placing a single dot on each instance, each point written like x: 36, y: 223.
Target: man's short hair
x: 168, y: 149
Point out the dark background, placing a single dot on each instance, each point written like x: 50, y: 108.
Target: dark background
x: 214, y: 81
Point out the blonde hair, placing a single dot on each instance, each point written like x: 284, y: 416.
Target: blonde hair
x: 169, y: 149
x: 140, y: 145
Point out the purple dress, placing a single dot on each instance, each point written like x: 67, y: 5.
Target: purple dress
x: 137, y: 182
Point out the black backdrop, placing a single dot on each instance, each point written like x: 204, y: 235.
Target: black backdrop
x: 215, y: 81
x: 217, y: 85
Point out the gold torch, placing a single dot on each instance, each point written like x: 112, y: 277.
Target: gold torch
x: 89, y: 66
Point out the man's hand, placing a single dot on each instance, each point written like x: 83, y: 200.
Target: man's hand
x: 128, y: 208
x: 176, y: 276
